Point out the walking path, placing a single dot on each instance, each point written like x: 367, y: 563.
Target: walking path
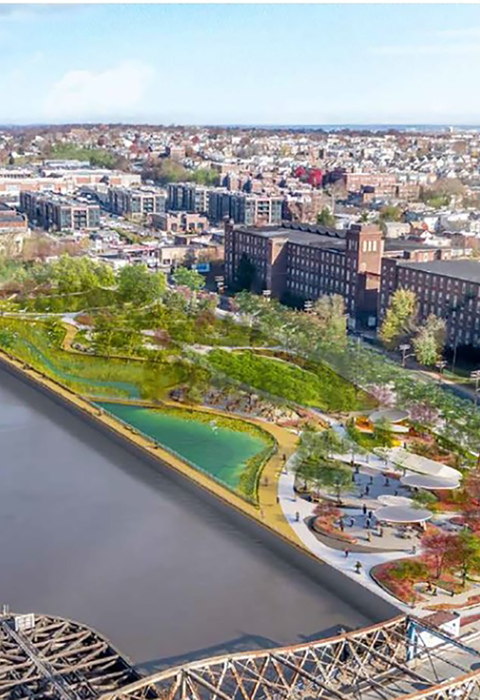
x: 291, y: 505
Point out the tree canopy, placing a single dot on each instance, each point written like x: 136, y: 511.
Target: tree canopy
x: 137, y: 284
x: 400, y: 318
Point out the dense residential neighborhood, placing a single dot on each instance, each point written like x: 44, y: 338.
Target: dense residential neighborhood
x: 293, y: 213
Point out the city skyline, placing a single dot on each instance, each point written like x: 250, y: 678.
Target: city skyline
x: 240, y: 64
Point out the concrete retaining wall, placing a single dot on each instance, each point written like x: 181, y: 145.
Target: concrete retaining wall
x: 364, y: 600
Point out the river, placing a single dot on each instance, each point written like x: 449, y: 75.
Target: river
x: 91, y: 533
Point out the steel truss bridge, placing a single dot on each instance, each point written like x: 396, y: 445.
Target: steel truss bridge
x: 47, y: 658
x: 50, y: 658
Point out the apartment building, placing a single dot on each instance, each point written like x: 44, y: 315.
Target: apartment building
x: 58, y: 212
x: 383, y: 183
x: 242, y: 208
x: 255, y: 210
x: 136, y: 203
x: 13, y: 230
x: 184, y: 196
x: 175, y: 221
x: 448, y: 288
x: 219, y: 205
x: 305, y: 262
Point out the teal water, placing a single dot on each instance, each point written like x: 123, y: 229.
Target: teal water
x: 131, y: 389
x: 219, y: 451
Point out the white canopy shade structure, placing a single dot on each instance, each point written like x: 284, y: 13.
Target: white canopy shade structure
x: 388, y: 500
x: 393, y: 415
x: 403, y: 515
x: 430, y: 483
x: 422, y: 465
x: 399, y: 429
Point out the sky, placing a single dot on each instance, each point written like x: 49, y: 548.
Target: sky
x: 240, y: 64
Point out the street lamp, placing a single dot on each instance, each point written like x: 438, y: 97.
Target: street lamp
x: 475, y: 375
x: 403, y: 349
x: 441, y: 364
x: 220, y: 282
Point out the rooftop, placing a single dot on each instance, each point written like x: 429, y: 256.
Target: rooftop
x: 467, y: 270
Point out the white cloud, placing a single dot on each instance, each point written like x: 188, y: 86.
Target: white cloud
x: 87, y: 95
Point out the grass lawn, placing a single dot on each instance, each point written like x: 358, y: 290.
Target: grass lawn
x: 314, y: 384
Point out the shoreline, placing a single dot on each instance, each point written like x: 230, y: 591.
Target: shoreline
x: 271, y: 530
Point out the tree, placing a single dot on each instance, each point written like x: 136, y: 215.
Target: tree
x: 334, y: 476
x: 382, y: 432
x: 326, y: 218
x: 183, y: 277
x: 424, y: 499
x: 466, y: 553
x: 400, y: 319
x: 329, y: 315
x: 384, y: 394
x: 423, y: 413
x: 246, y: 274
x: 390, y: 213
x: 430, y: 340
x: 137, y: 284
x: 439, y: 546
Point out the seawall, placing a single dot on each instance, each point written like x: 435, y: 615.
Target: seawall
x: 231, y: 507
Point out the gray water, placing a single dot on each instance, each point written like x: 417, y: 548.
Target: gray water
x: 89, y: 532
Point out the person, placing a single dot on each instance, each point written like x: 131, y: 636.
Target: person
x: 297, y: 516
x: 370, y: 514
x: 342, y: 526
x: 364, y: 509
x: 380, y: 531
x: 371, y: 479
x: 358, y: 566
x: 353, y: 477
x: 414, y: 550
x: 367, y: 490
x: 367, y: 523
x: 387, y: 481
x: 284, y: 457
x: 346, y: 552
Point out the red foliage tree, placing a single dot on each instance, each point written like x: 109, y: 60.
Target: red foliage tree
x: 440, y: 547
x: 471, y: 509
x: 299, y: 172
x: 315, y: 177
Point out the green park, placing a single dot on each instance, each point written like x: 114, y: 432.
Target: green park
x: 384, y: 478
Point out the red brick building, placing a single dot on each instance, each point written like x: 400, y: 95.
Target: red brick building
x: 447, y: 288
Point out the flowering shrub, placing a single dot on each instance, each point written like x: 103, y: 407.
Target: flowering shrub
x: 383, y: 393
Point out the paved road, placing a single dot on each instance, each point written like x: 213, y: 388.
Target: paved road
x: 89, y: 532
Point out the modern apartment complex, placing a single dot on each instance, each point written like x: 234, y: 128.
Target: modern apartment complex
x: 136, y: 203
x: 247, y: 209
x: 184, y: 196
x: 58, y: 212
x: 447, y: 288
